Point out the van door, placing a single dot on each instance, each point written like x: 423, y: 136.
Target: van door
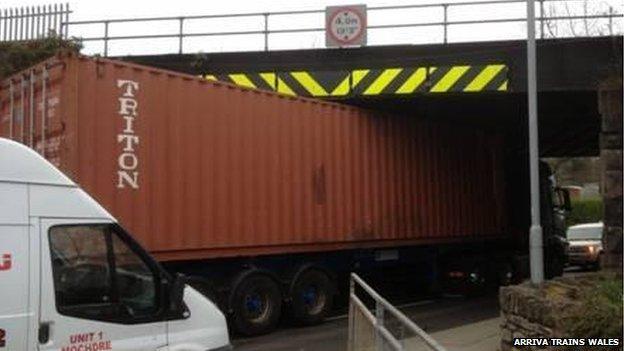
x: 16, y: 311
x: 14, y: 292
x: 99, y: 291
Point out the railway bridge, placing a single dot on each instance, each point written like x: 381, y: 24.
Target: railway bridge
x: 482, y: 83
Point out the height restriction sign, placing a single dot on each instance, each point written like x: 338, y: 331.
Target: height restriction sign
x: 345, y: 25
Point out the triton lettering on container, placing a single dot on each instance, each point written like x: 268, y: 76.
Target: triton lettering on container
x: 269, y: 200
x: 400, y: 81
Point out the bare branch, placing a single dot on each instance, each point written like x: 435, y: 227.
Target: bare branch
x: 571, y: 22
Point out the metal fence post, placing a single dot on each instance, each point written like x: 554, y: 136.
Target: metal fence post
x: 4, y: 18
x: 32, y: 23
x: 266, y: 31
x: 181, y: 35
x: 106, y: 38
x: 541, y: 19
x: 67, y: 11
x: 611, y: 20
x: 351, y: 330
x: 10, y: 36
x: 26, y: 22
x: 60, y: 27
x: 445, y: 9
x: 54, y: 19
x: 38, y: 29
x: 379, y: 314
x: 19, y: 28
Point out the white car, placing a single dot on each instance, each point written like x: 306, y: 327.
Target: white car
x: 585, y: 244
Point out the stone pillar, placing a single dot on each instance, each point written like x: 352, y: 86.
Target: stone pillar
x: 610, y: 109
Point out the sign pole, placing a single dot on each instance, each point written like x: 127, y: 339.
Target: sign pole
x: 536, y: 246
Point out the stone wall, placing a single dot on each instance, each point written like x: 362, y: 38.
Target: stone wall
x: 610, y: 108
x: 530, y: 312
x: 544, y: 311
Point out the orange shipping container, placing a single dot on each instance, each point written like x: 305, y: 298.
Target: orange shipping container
x: 202, y: 169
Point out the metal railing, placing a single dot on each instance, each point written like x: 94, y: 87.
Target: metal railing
x: 370, y: 331
x: 29, y: 23
x: 264, y: 29
x: 34, y: 22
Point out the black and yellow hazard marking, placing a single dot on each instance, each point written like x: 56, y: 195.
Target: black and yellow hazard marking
x: 402, y: 81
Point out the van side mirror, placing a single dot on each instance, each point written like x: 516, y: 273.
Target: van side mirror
x: 176, y: 295
x: 564, y: 199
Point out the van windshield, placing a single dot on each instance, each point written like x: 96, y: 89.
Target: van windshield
x: 585, y: 233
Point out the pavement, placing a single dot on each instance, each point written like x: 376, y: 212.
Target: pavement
x: 459, y: 324
x: 479, y: 336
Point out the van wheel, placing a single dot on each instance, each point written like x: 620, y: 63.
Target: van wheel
x: 256, y: 305
x: 312, y: 297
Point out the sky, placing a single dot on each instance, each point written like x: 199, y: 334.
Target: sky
x: 110, y: 9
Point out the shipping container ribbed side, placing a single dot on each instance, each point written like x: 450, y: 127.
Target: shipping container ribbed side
x: 200, y: 169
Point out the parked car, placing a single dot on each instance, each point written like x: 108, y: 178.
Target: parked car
x: 585, y: 245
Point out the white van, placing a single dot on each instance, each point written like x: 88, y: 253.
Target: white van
x: 71, y: 279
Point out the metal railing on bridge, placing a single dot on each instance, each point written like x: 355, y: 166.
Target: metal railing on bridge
x: 267, y: 24
x: 384, y: 328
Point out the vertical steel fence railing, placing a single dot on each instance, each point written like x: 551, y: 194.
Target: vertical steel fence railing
x: 384, y: 328
x: 34, y: 22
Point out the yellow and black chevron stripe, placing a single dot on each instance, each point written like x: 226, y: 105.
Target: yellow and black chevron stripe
x: 371, y: 82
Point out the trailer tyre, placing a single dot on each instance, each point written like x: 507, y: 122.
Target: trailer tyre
x: 476, y: 280
x: 506, y: 274
x: 312, y: 297
x: 256, y: 305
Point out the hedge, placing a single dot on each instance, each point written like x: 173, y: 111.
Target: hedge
x: 585, y: 211
x: 17, y: 56
x: 599, y: 313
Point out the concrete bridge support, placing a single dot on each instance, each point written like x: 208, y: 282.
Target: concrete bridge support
x: 610, y: 108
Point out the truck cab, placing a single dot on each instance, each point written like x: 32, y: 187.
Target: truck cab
x: 74, y: 280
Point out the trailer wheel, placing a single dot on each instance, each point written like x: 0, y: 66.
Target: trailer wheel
x: 256, y: 305
x: 476, y: 281
x: 312, y: 297
x: 506, y: 274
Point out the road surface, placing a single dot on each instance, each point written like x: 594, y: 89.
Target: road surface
x: 457, y: 323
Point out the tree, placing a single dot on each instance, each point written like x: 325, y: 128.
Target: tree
x: 584, y: 27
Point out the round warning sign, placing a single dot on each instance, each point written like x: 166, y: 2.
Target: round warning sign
x: 346, y: 25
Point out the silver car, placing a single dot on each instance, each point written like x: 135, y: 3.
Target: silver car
x: 585, y: 245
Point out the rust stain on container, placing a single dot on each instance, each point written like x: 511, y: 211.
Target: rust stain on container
x: 200, y: 169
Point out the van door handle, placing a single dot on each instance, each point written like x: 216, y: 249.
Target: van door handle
x: 44, y: 333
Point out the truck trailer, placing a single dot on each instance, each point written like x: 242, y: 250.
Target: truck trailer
x: 266, y: 201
